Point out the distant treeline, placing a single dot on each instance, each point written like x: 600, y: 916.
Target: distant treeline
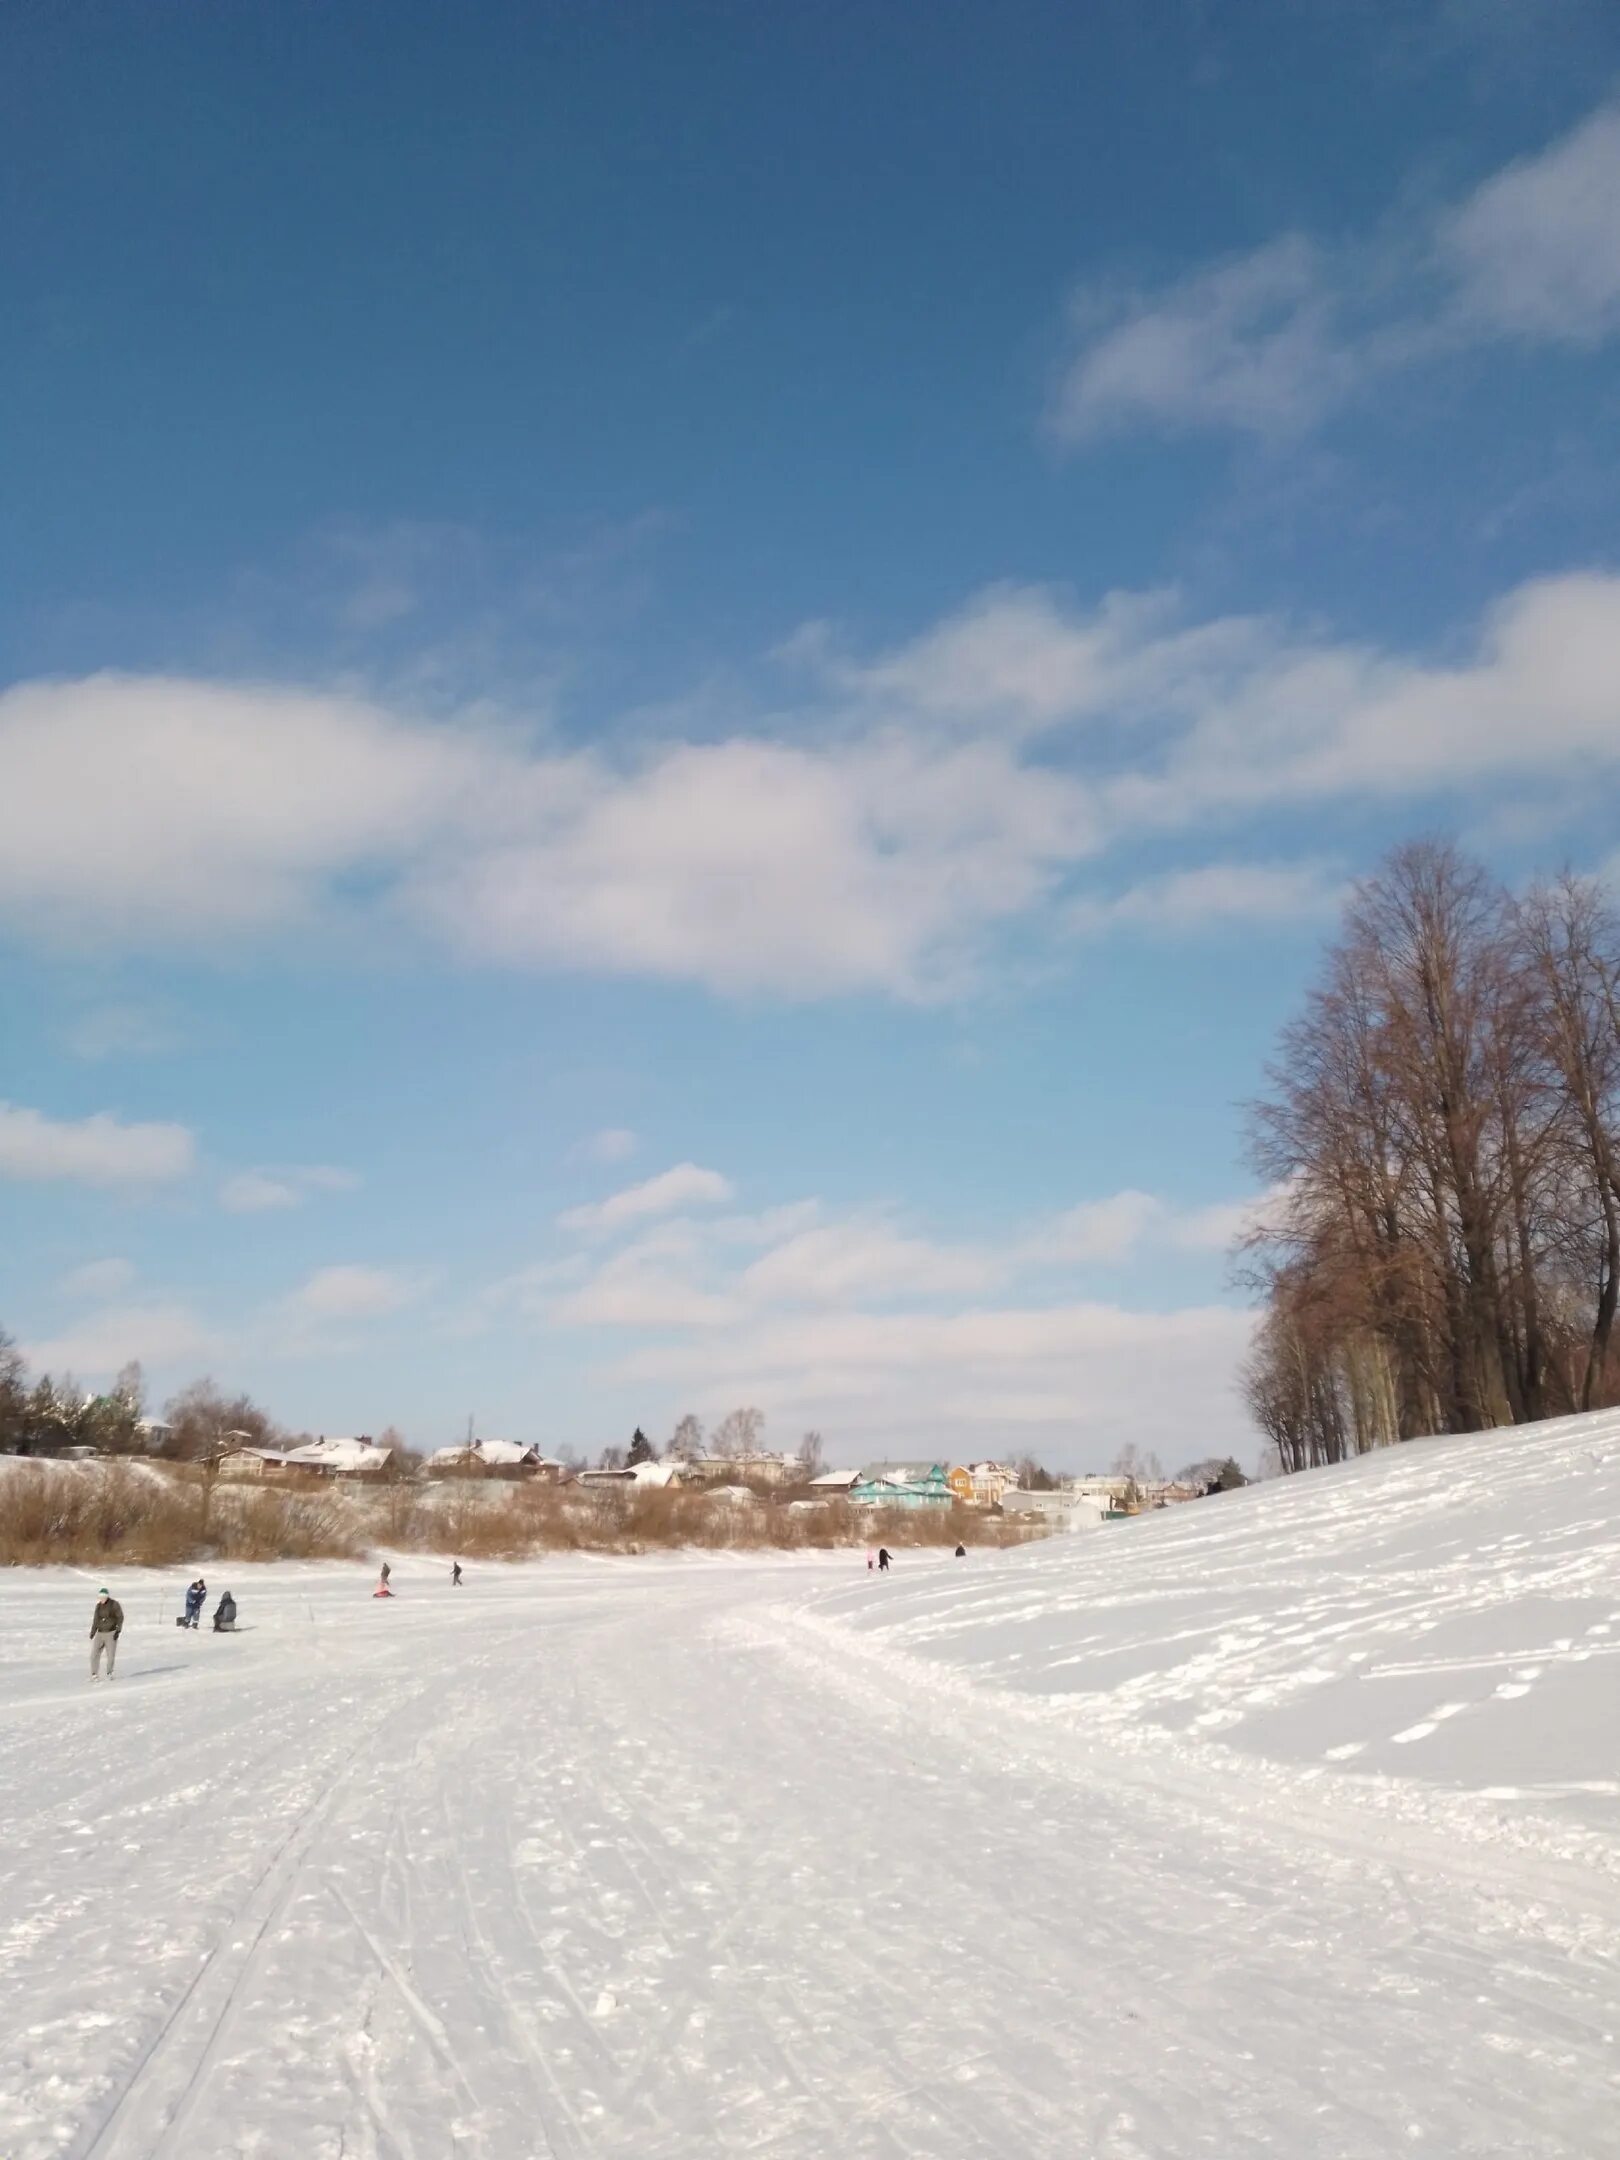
x: 1442, y: 1127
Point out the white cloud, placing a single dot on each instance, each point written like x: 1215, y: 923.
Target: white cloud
x: 957, y: 783
x: 1220, y: 1227
x: 1214, y: 896
x: 1072, y: 1381
x: 842, y: 1261
x: 99, y: 1278
x: 612, y: 1144
x: 204, y: 812
x: 99, y: 1150
x: 1269, y: 342
x: 686, y: 1185
x: 1540, y: 694
x: 1023, y: 659
x: 252, y: 1192
x: 654, y: 1283
x: 353, y: 1293
x: 1250, y: 344
x: 1536, y: 250
x: 1097, y: 1230
x: 199, y: 810
x: 94, y: 1348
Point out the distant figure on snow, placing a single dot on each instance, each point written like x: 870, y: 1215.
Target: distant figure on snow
x: 225, y: 1614
x: 961, y: 1552
x: 883, y: 1559
x: 455, y: 1574
x: 106, y: 1625
x: 386, y: 1572
x: 871, y: 1562
x: 195, y: 1595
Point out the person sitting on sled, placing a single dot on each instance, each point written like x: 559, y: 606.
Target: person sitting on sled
x: 225, y: 1614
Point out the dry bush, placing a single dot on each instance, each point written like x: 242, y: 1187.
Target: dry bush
x: 89, y: 1513
x: 148, y: 1515
x: 266, y: 1524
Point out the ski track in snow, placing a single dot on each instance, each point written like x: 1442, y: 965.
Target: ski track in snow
x: 1283, y: 1824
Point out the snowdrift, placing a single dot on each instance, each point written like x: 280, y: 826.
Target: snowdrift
x: 1445, y: 1613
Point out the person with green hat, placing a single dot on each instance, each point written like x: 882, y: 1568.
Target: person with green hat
x: 106, y: 1625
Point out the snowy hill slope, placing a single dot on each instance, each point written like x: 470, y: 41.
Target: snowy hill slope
x: 1445, y: 1613
x: 1060, y: 1853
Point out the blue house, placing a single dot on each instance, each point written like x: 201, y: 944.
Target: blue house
x: 901, y: 1485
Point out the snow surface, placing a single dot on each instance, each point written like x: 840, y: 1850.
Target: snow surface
x: 1283, y: 1823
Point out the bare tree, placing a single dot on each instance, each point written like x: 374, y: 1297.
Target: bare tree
x: 739, y: 1432
x: 687, y: 1439
x: 1442, y: 1120
x: 203, y: 1420
x: 812, y: 1456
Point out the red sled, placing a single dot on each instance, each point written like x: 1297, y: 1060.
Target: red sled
x: 384, y: 1592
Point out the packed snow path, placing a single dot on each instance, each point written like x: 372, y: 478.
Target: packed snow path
x: 677, y: 1858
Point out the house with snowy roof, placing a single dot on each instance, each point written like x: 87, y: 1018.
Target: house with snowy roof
x: 340, y: 1456
x: 902, y: 1485
x: 633, y: 1477
x: 493, y: 1458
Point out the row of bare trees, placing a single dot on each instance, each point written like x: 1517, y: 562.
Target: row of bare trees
x: 1442, y: 1130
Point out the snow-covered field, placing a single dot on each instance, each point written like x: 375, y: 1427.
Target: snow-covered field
x: 1281, y: 1824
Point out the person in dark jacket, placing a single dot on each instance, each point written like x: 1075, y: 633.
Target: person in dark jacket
x: 225, y: 1613
x: 455, y: 1574
x: 961, y: 1552
x: 106, y: 1625
x: 883, y: 1559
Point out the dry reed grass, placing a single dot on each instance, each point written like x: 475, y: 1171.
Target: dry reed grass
x: 158, y: 1516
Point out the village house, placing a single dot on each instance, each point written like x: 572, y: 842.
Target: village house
x: 634, y: 1477
x: 1061, y: 1510
x: 987, y: 1482
x: 356, y: 1456
x: 758, y: 1469
x: 902, y: 1485
x: 512, y: 1459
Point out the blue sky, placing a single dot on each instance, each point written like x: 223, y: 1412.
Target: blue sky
x: 685, y: 688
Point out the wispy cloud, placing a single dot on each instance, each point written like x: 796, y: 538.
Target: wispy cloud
x: 252, y: 1192
x: 1271, y: 341
x: 612, y: 1144
x: 352, y: 1292
x: 946, y: 796
x: 686, y: 1185
x: 99, y: 1279
x: 1213, y: 897
x: 94, y: 1348
x: 99, y: 1150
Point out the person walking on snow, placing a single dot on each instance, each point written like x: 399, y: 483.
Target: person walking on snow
x: 455, y: 1574
x: 106, y: 1625
x: 871, y: 1562
x: 883, y: 1559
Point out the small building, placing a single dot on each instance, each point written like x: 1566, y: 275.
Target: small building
x: 634, y: 1477
x: 834, y: 1484
x: 758, y: 1469
x: 1113, y: 1491
x: 347, y: 1456
x: 1061, y: 1510
x: 902, y: 1485
x: 249, y: 1460
x: 989, y: 1480
x: 494, y: 1458
x: 153, y: 1436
